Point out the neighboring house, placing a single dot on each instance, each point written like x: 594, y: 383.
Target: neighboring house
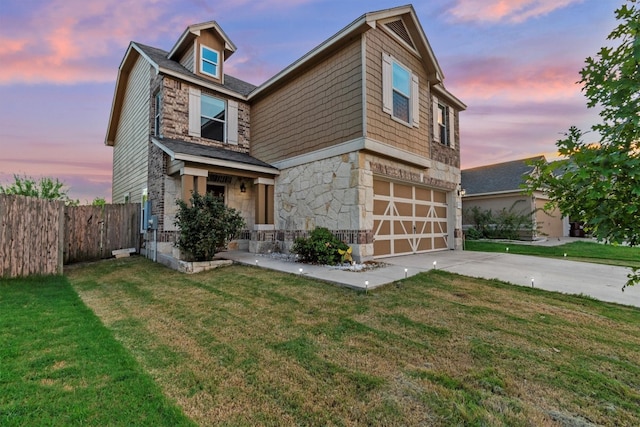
x: 498, y: 186
x: 359, y: 136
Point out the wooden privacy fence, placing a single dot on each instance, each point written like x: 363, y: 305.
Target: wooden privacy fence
x: 39, y: 236
x: 30, y: 236
x: 92, y: 232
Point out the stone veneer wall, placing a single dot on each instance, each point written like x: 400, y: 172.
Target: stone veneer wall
x: 328, y: 193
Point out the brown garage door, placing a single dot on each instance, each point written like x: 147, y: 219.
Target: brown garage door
x: 408, y: 219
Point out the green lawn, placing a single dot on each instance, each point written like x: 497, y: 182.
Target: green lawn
x: 247, y: 346
x: 578, y: 251
x: 59, y: 366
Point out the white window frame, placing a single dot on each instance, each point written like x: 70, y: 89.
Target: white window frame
x: 387, y: 91
x: 231, y: 116
x: 449, y: 123
x: 203, y: 61
x: 226, y: 116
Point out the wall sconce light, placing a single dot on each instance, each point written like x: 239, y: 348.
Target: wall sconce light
x: 243, y: 188
x: 462, y: 192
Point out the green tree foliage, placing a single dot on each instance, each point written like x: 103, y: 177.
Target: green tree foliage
x: 321, y: 247
x: 98, y: 201
x: 206, y: 226
x: 599, y: 183
x: 44, y: 188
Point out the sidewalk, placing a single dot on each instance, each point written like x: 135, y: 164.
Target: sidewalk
x: 602, y: 282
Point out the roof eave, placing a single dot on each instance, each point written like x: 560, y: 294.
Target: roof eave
x: 121, y: 87
x: 359, y: 25
x: 193, y: 31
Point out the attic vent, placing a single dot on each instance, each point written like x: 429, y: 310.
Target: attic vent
x: 398, y: 28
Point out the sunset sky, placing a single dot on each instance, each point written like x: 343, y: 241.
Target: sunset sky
x: 515, y: 64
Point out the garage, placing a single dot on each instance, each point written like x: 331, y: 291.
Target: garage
x: 408, y: 219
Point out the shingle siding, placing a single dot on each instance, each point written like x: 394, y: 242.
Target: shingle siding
x: 320, y: 108
x: 131, y: 146
x: 380, y: 125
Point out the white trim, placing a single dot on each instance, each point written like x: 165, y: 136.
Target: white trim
x: 363, y: 56
x: 232, y: 122
x: 193, y: 171
x: 357, y: 144
x: 452, y: 128
x: 264, y: 227
x: 434, y: 115
x: 264, y: 181
x: 415, y: 100
x: 387, y: 84
x: 201, y: 61
x: 194, y: 111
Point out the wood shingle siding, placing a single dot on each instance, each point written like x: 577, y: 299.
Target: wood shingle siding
x: 380, y: 126
x: 131, y: 151
x: 320, y: 108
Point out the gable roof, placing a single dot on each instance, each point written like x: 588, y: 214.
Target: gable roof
x: 193, y: 31
x: 205, y: 154
x: 159, y: 60
x: 496, y: 178
x: 364, y: 23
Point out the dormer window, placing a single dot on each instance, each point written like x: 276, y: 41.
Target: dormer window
x: 209, y: 61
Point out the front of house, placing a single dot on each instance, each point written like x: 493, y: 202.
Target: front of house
x: 358, y: 136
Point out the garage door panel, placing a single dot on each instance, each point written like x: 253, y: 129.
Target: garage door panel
x: 425, y: 244
x: 423, y: 194
x: 404, y: 209
x: 408, y: 219
x: 401, y: 191
x: 382, y: 247
x: 402, y: 246
x: 382, y: 227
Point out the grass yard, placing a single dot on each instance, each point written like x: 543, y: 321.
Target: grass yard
x: 577, y: 251
x: 59, y: 366
x: 246, y: 346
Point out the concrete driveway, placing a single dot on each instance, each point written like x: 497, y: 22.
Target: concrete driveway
x: 602, y: 282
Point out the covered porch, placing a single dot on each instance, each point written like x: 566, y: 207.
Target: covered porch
x: 244, y: 182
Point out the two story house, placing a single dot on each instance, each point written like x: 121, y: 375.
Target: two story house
x: 359, y: 136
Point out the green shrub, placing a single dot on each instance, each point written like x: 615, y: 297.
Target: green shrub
x: 206, y: 226
x: 506, y: 224
x: 473, y: 234
x: 321, y: 247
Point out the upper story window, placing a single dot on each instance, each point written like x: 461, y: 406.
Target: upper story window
x: 400, y: 92
x: 209, y: 61
x: 443, y: 124
x: 212, y: 118
x: 156, y: 115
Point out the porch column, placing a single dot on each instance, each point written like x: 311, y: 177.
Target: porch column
x: 193, y: 180
x: 264, y: 201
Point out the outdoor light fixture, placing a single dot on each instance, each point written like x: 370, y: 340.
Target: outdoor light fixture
x: 434, y: 264
x: 405, y: 272
x: 532, y: 282
x: 300, y: 271
x: 243, y: 188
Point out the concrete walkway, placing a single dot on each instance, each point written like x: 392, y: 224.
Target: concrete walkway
x: 602, y: 282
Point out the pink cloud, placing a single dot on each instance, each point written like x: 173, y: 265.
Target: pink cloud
x: 512, y: 11
x: 74, y: 41
x: 496, y: 77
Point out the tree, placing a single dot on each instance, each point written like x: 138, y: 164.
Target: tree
x: 599, y: 183
x: 45, y: 188
x: 206, y: 226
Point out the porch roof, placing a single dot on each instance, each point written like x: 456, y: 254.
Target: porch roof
x: 208, y: 155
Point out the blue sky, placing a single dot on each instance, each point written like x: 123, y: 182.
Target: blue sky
x: 515, y: 64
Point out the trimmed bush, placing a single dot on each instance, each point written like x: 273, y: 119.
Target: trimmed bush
x: 321, y: 247
x: 206, y: 226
